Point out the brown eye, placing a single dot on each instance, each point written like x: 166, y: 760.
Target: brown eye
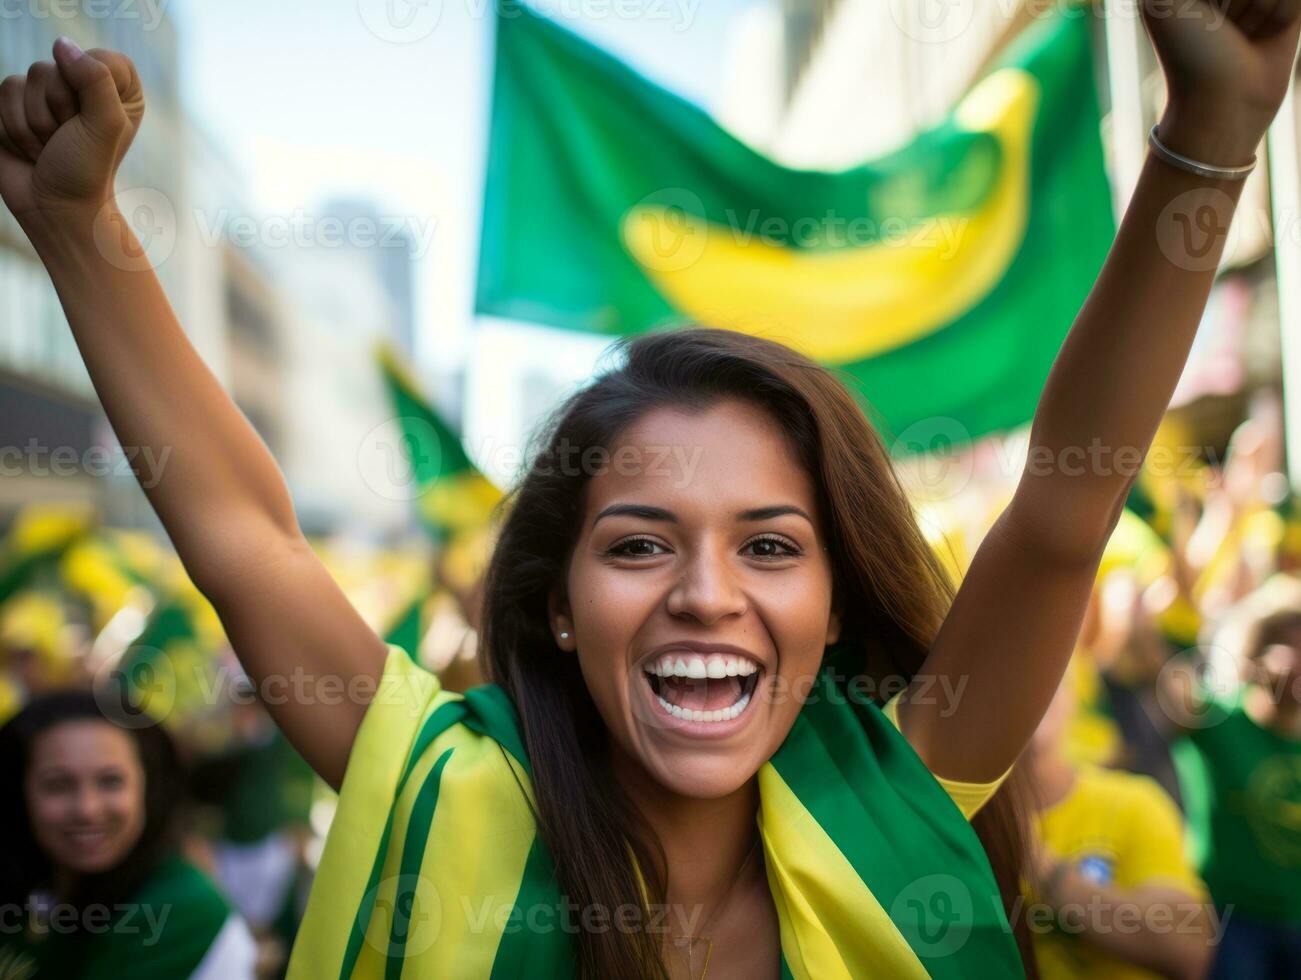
x: 773, y: 547
x: 633, y: 548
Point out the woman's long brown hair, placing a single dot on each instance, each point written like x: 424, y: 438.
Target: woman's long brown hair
x: 892, y: 590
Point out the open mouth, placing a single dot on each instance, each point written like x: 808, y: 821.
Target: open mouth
x: 88, y: 838
x: 712, y: 687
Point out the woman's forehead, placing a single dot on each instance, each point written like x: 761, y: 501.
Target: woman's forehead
x: 87, y: 742
x: 729, y: 456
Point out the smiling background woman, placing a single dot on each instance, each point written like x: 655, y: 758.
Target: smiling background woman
x: 798, y: 833
x: 93, y: 884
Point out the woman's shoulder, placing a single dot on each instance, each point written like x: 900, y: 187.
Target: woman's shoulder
x: 410, y: 708
x: 178, y: 880
x: 849, y: 707
x: 195, y: 930
x: 171, y: 925
x: 413, y: 732
x: 436, y: 801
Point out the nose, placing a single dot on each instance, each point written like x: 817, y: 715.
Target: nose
x: 88, y: 804
x: 707, y: 589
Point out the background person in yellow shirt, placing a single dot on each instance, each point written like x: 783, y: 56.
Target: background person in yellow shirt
x: 1114, y: 893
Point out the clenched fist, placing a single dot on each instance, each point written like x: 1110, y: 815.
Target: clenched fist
x: 64, y: 129
x: 1227, y: 64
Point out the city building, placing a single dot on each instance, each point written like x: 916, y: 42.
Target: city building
x: 51, y: 429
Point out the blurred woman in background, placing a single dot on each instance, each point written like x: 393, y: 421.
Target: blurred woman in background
x: 93, y: 883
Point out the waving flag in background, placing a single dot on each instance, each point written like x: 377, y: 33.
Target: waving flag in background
x: 453, y: 496
x: 37, y: 542
x: 940, y: 279
x: 455, y: 499
x: 407, y: 629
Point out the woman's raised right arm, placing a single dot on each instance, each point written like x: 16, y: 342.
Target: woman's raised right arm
x: 64, y: 129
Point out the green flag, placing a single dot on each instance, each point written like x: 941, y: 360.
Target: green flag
x: 408, y: 628
x: 453, y: 495
x: 940, y: 280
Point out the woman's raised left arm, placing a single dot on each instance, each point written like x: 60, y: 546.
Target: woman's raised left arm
x: 1004, y: 645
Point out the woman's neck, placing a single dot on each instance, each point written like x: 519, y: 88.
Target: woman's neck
x: 705, y: 841
x: 63, y: 882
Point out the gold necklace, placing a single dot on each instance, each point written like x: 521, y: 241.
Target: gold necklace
x: 687, y: 944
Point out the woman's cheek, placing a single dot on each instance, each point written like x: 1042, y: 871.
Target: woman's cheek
x: 129, y: 807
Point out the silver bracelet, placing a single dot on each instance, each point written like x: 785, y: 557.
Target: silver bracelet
x: 1201, y: 169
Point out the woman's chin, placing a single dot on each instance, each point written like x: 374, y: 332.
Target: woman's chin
x: 94, y: 863
x: 702, y: 774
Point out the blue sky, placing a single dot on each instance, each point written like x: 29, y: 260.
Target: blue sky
x: 387, y: 100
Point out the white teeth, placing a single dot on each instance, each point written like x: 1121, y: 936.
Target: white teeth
x: 722, y: 714
x: 713, y: 665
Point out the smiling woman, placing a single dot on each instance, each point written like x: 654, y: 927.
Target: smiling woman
x: 93, y: 885
x: 675, y: 771
x: 730, y: 561
x: 674, y: 646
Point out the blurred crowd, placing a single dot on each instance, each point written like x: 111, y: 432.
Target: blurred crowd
x: 1164, y: 785
x: 1166, y: 778
x: 90, y: 608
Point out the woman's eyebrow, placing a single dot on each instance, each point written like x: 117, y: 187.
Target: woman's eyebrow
x: 767, y: 513
x: 644, y: 511
x: 649, y: 513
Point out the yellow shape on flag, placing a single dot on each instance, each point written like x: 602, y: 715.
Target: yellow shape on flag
x: 844, y: 305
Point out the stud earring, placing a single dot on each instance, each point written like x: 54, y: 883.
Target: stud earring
x: 564, y: 636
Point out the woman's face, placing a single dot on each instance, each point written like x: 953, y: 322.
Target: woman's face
x: 700, y: 531
x: 85, y: 793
